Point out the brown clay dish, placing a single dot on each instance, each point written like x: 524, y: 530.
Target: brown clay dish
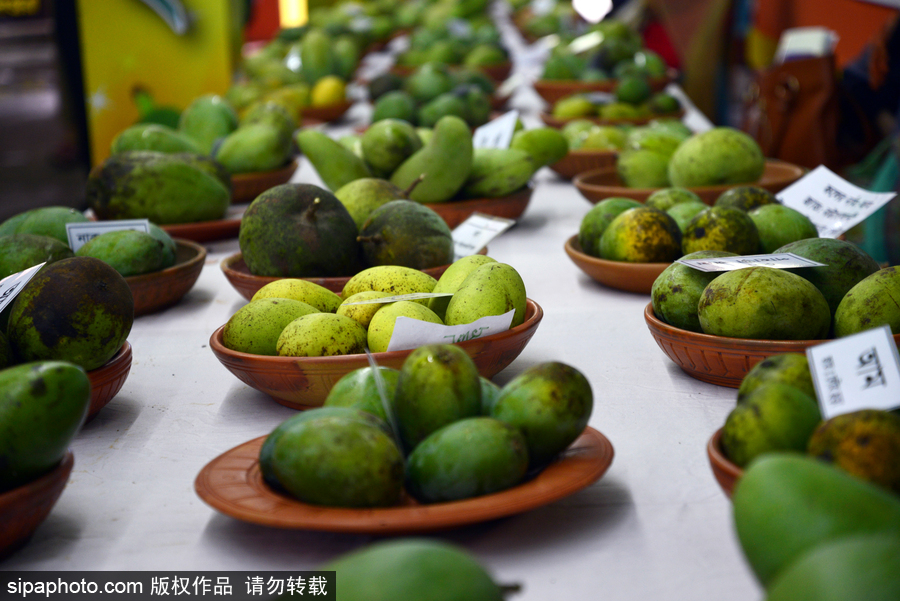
x: 726, y: 472
x: 558, y: 123
x: 161, y: 289
x: 304, y: 382
x: 581, y: 160
x: 23, y: 509
x: 324, y: 114
x: 238, y: 275
x: 208, y: 231
x: 554, y: 90
x: 107, y: 380
x: 232, y: 484
x: 630, y: 277
x: 603, y: 183
x: 718, y: 359
x: 245, y: 187
x: 511, y: 206
x: 498, y: 73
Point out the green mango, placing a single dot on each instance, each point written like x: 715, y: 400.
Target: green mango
x: 853, y: 567
x: 298, y: 230
x: 304, y: 291
x: 321, y: 335
x: 403, y: 232
x: 42, y: 407
x: 677, y: 290
x: 642, y: 169
x: 395, y: 104
x: 129, y: 252
x: 666, y: 198
x: 361, y: 313
x: 163, y: 188
x: 253, y: 148
x: 745, y: 198
x: 393, y: 279
x: 381, y: 326
x: 779, y: 225
x: 335, y: 164
x: 684, y: 212
x: 346, y: 56
x: 206, y: 119
x: 498, y: 172
x: 551, y: 404
x: 6, y: 353
x: 491, y: 289
x: 381, y: 84
x: 452, y: 279
x: 721, y: 155
x: 442, y: 179
x: 170, y: 248
x: 338, y: 462
x: 438, y: 385
x: 21, y: 251
x: 468, y: 458
x: 256, y: 326
x: 641, y: 235
x: 358, y: 389
x: 420, y: 569
x: 545, y: 145
x: 787, y: 504
x: 477, y: 106
x: 389, y: 142
x: 721, y: 228
x: 448, y: 103
x: 428, y: 82
x: 316, y: 56
x: 598, y: 218
x: 791, y: 369
x: 362, y: 196
x: 78, y: 310
x: 272, y: 113
x: 43, y: 221
x: 153, y: 136
x: 490, y: 392
x: 869, y: 304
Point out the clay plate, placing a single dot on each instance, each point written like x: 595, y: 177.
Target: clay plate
x: 603, y: 183
x: 107, y: 380
x: 208, y: 231
x: 511, y: 206
x: 23, y: 509
x: 724, y: 470
x: 232, y: 484
x: 245, y: 187
x: 304, y: 382
x: 161, y: 289
x: 718, y: 359
x: 238, y: 275
x: 323, y: 114
x: 581, y: 160
x: 558, y: 123
x: 554, y: 90
x: 630, y: 277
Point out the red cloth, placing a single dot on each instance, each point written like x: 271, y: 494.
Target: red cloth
x: 657, y: 40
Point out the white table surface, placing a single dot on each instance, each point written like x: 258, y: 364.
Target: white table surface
x: 656, y: 526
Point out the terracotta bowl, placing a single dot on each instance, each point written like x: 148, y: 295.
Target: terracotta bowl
x: 558, y: 123
x: 554, y: 90
x: 161, y: 289
x: 630, y: 277
x: 724, y: 470
x: 107, y: 380
x: 245, y: 187
x: 23, y: 509
x: 718, y: 359
x: 304, y: 382
x: 511, y: 206
x: 498, y: 73
x: 581, y: 160
x: 603, y: 183
x: 238, y: 275
x: 325, y: 114
x: 205, y: 231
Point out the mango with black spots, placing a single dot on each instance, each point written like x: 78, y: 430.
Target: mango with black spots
x: 130, y: 252
x: 791, y: 369
x: 21, y: 251
x: 641, y: 235
x: 407, y: 233
x: 595, y: 221
x: 677, y: 290
x: 43, y: 221
x: 745, y: 198
x: 721, y: 228
x: 871, y: 303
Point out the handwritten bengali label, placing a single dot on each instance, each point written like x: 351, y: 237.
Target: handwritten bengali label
x: 12, y: 285
x: 473, y: 234
x: 497, y: 133
x: 776, y: 260
x: 81, y: 233
x: 411, y: 333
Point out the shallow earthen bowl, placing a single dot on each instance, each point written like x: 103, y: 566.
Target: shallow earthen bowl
x: 552, y: 90
x: 107, y: 380
x: 603, y: 183
x: 718, y: 359
x: 622, y: 275
x: 161, y: 289
x: 238, y: 275
x: 559, y: 123
x: 511, y: 206
x: 245, y: 187
x: 498, y: 73
x: 325, y: 114
x: 725, y: 472
x: 24, y: 508
x: 582, y: 160
x: 304, y: 382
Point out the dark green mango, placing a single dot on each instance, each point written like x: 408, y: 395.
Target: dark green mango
x: 129, y: 252
x: 359, y: 390
x: 21, y: 251
x: 43, y: 221
x: 407, y: 233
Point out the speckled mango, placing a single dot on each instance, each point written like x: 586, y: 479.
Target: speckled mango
x: 873, y: 302
x: 321, y: 335
x: 21, y: 251
x: 641, y: 235
x: 393, y: 279
x: 256, y: 326
x: 129, y: 252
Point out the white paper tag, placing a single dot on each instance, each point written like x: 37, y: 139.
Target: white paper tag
x: 497, y: 133
x: 473, y: 234
x: 833, y: 204
x: 412, y: 333
x: 776, y: 260
x: 81, y: 233
x: 856, y: 372
x: 400, y: 297
x: 592, y: 11
x: 586, y: 42
x: 11, y: 285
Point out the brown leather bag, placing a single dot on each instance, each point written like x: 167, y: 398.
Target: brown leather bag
x: 793, y: 112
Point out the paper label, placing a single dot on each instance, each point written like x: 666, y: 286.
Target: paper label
x: 412, y: 333
x: 81, y: 233
x: 600, y: 98
x: 833, y: 204
x: 11, y: 285
x: 592, y: 11
x: 776, y: 260
x: 509, y: 85
x: 497, y: 133
x: 586, y: 42
x: 473, y: 234
x: 400, y: 297
x: 856, y: 372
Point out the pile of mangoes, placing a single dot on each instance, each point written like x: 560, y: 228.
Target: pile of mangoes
x: 632, y: 99
x: 437, y: 431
